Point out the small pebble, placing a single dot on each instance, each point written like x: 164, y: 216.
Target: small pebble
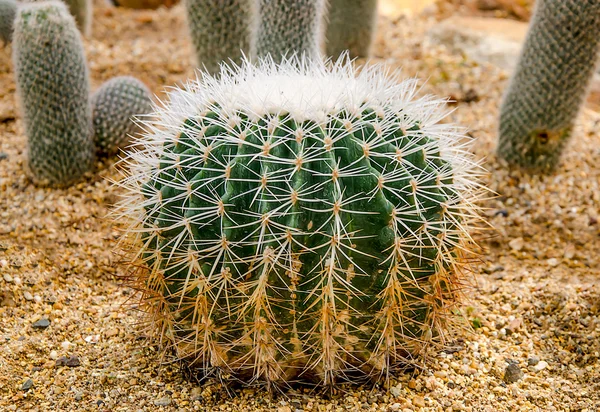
x: 27, y: 295
x: 41, y: 324
x: 418, y: 401
x: 540, y: 366
x: 512, y: 373
x: 7, y: 278
x: 163, y: 401
x: 79, y: 396
x: 72, y: 361
x: 28, y: 384
x: 396, y: 390
x: 533, y: 360
x: 516, y: 244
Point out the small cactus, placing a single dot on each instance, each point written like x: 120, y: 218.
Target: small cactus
x: 8, y: 11
x: 114, y: 105
x: 350, y: 28
x: 298, y: 222
x: 288, y: 27
x: 220, y: 30
x: 550, y: 83
x: 53, y: 88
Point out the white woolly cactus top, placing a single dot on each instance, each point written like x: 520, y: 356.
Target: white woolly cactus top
x: 301, y: 219
x: 308, y: 90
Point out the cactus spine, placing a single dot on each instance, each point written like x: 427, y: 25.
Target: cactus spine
x: 288, y: 27
x: 350, y: 28
x: 8, y: 11
x: 550, y: 82
x: 53, y: 87
x: 300, y: 222
x: 220, y: 30
x: 114, y: 105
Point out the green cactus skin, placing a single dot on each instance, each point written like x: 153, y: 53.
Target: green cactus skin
x: 53, y: 87
x: 288, y: 27
x: 300, y: 223
x: 220, y: 30
x: 114, y: 106
x: 8, y: 11
x: 550, y: 83
x: 350, y: 28
x: 81, y: 10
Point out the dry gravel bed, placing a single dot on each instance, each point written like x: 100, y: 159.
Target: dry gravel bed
x: 67, y: 341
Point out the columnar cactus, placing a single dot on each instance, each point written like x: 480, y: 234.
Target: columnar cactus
x: 220, y: 30
x: 300, y: 223
x: 350, y: 28
x: 8, y: 11
x: 550, y: 82
x: 114, y: 105
x: 82, y: 10
x: 288, y: 27
x: 53, y: 87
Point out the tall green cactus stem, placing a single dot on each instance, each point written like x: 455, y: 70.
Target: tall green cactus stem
x: 300, y: 223
x: 8, y: 11
x: 53, y: 87
x: 288, y: 27
x: 550, y: 83
x: 220, y: 30
x: 350, y: 28
x: 114, y: 106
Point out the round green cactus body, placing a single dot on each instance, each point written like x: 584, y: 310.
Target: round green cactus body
x: 114, y: 106
x: 8, y: 11
x: 300, y: 223
x: 350, y: 27
x: 289, y: 27
x: 220, y: 30
x: 53, y: 87
x: 550, y: 83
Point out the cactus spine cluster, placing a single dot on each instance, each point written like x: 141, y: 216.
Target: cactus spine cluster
x: 114, y: 105
x: 298, y: 222
x: 53, y: 87
x: 8, y: 11
x: 288, y: 27
x: 220, y: 30
x: 550, y: 82
x: 350, y: 28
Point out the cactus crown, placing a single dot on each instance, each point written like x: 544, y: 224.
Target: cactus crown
x: 299, y: 221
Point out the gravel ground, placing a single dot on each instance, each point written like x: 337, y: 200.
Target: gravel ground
x: 69, y: 342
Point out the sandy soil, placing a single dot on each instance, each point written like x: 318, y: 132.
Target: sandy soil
x: 536, y: 306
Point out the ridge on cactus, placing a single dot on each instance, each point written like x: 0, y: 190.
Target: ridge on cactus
x: 299, y: 222
x: 550, y: 83
x: 8, y: 11
x: 287, y: 27
x: 220, y: 30
x: 53, y: 89
x: 114, y: 106
x: 350, y: 27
